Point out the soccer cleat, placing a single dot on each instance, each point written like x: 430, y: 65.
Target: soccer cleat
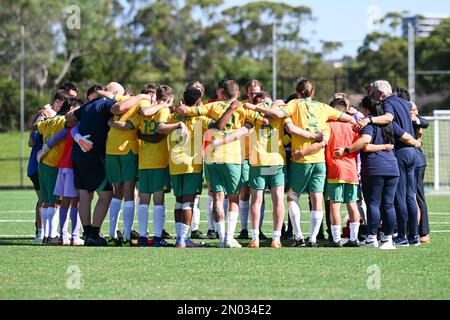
x: 161, y: 243
x: 38, y: 240
x: 253, y: 244
x: 64, y: 242
x: 191, y: 244
x: 197, y: 234
x: 371, y: 244
x: 288, y: 235
x: 96, y: 242
x: 52, y: 241
x: 425, y: 239
x: 276, y: 244
x: 134, y: 235
x: 211, y: 234
x: 386, y: 245
x: 143, y: 242
x: 130, y: 243
x: 401, y: 242
x: 232, y: 243
x: 333, y: 244
x: 352, y: 244
x: 262, y: 236
x: 243, y: 235
x: 415, y: 242
x: 312, y: 244
x: 166, y: 235
x: 180, y: 243
x: 77, y: 242
x: 299, y: 243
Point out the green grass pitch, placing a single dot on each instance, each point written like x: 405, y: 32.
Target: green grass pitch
x: 28, y: 271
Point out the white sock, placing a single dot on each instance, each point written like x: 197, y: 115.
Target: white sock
x: 143, y: 220
x: 40, y: 233
x: 225, y: 206
x: 295, y: 214
x: 45, y: 221
x: 178, y: 228
x: 184, y: 231
x: 255, y: 234
x: 209, y: 212
x: 261, y: 215
x: 128, y: 218
x: 114, y: 212
x: 52, y: 226
x: 336, y: 232
x: 220, y: 226
x: 243, y: 213
x: 276, y: 235
x: 159, y: 215
x: 316, y: 220
x: 55, y: 223
x: 232, y: 221
x: 354, y: 228
x: 195, y: 215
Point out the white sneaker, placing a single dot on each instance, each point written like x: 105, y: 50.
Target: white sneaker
x: 77, y: 242
x: 372, y: 244
x: 387, y: 245
x: 65, y: 242
x: 232, y: 243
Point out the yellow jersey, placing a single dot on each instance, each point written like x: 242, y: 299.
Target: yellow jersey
x: 48, y: 128
x: 311, y: 116
x: 152, y: 155
x: 120, y: 142
x: 186, y: 156
x: 231, y: 152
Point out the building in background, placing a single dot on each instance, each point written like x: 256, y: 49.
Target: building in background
x: 423, y: 24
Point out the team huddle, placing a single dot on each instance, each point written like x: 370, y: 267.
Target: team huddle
x: 117, y: 143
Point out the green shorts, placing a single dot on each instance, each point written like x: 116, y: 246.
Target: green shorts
x: 224, y: 177
x: 121, y: 168
x: 154, y: 180
x: 47, y: 182
x: 245, y: 174
x: 307, y: 177
x: 341, y: 192
x: 205, y: 171
x: 187, y: 184
x: 270, y: 176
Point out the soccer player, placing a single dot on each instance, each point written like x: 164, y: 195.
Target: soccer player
x: 380, y: 172
x: 223, y: 164
x: 399, y: 110
x: 89, y: 167
x: 70, y: 88
x: 48, y: 171
x: 65, y: 187
x: 342, y: 178
x: 307, y: 174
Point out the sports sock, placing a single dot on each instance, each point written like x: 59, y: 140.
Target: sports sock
x: 128, y: 218
x: 295, y: 214
x: 55, y: 222
x: 243, y: 213
x: 45, y: 221
x: 232, y: 221
x: 225, y: 206
x: 178, y: 228
x: 51, y: 211
x: 63, y: 222
x: 255, y: 234
x: 276, y: 235
x: 184, y: 231
x: 40, y: 233
x: 261, y: 216
x: 354, y: 228
x: 114, y: 213
x: 76, y: 223
x: 336, y: 232
x: 87, y: 231
x: 95, y: 232
x: 209, y: 212
x: 195, y: 215
x: 143, y: 220
x: 159, y: 215
x: 316, y: 220
x: 220, y: 226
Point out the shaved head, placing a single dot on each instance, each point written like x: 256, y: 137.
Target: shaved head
x: 115, y: 88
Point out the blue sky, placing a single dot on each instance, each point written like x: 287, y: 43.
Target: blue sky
x: 347, y: 20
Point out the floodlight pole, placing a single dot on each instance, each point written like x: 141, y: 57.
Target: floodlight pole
x: 22, y: 104
x: 411, y: 63
x: 274, y: 61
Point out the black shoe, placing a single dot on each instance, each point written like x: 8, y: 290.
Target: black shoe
x: 243, y: 235
x: 311, y: 244
x: 352, y: 244
x: 143, y: 242
x: 262, y: 236
x: 160, y: 242
x: 134, y: 235
x: 288, y: 235
x: 211, y: 234
x: 299, y: 243
x: 197, y: 234
x: 96, y: 242
x: 333, y: 244
x: 166, y: 235
x: 320, y: 236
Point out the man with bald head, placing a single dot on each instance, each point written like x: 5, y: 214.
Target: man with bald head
x: 89, y: 166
